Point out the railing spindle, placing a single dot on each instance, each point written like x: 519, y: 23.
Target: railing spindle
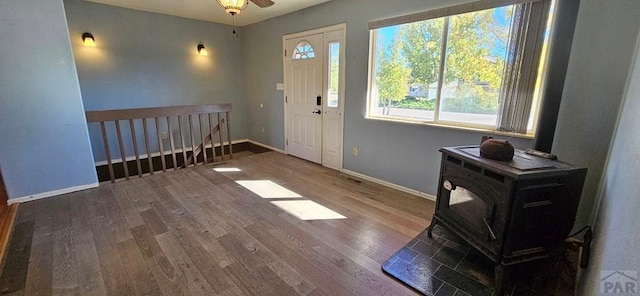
x: 164, y: 165
x: 193, y: 143
x: 227, y: 114
x: 173, y: 146
x: 221, y: 139
x: 122, y: 154
x: 135, y: 147
x: 107, y: 152
x: 146, y: 142
x: 212, y: 132
x: 203, y: 143
x: 184, y: 148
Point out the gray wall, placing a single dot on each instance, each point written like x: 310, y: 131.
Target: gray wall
x: 146, y: 60
x: 616, y: 237
x: 44, y: 144
x: 603, y: 49
x: 399, y: 153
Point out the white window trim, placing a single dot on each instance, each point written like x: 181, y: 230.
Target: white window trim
x: 458, y: 126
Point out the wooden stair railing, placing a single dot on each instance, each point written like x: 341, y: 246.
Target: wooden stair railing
x: 212, y: 118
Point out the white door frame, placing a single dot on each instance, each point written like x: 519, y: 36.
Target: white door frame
x: 325, y: 61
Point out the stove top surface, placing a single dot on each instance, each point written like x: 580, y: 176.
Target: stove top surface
x: 520, y: 161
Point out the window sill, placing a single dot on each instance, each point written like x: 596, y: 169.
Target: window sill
x: 455, y: 127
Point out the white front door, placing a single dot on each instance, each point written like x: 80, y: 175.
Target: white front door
x: 314, y: 92
x: 304, y: 96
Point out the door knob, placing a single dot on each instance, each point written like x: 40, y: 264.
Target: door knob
x: 317, y: 112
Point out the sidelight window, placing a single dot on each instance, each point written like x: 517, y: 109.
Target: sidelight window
x: 334, y: 75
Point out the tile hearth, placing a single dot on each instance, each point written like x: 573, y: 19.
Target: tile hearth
x: 445, y: 266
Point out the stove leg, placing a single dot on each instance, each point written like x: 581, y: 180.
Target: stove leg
x: 501, y: 279
x: 431, y: 226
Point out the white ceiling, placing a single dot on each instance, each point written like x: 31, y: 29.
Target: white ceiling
x: 210, y: 10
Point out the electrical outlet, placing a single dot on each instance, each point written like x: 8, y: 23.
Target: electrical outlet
x: 354, y: 151
x: 164, y: 135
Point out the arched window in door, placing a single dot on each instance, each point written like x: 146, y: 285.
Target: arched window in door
x: 303, y: 51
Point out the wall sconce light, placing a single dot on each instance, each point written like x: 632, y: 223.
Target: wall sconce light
x: 88, y: 40
x: 201, y: 50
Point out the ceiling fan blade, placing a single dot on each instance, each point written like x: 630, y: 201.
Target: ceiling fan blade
x: 263, y: 3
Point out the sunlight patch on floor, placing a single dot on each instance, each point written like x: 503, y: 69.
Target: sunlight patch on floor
x: 268, y: 189
x: 300, y: 208
x: 307, y: 210
x: 226, y: 170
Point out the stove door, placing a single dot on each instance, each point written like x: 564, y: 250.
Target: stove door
x: 473, y: 206
x: 477, y: 213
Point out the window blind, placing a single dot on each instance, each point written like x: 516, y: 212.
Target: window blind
x: 521, y: 68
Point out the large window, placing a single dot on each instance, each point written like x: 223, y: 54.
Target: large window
x: 475, y: 68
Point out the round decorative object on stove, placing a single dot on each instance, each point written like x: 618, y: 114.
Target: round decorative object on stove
x: 497, y: 149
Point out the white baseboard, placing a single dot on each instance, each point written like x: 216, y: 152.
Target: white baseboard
x: 390, y: 185
x: 267, y: 146
x: 51, y: 193
x: 154, y: 154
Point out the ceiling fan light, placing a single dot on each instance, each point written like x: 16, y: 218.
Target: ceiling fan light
x: 233, y: 7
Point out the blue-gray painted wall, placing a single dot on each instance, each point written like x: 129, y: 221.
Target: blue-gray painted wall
x: 616, y: 236
x: 44, y: 144
x: 408, y: 154
x: 144, y: 59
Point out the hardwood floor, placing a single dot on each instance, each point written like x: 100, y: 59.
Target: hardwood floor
x: 197, y: 232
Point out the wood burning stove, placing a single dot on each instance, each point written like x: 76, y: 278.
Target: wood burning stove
x: 511, y: 211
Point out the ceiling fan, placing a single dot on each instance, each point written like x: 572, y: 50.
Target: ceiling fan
x: 234, y: 7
